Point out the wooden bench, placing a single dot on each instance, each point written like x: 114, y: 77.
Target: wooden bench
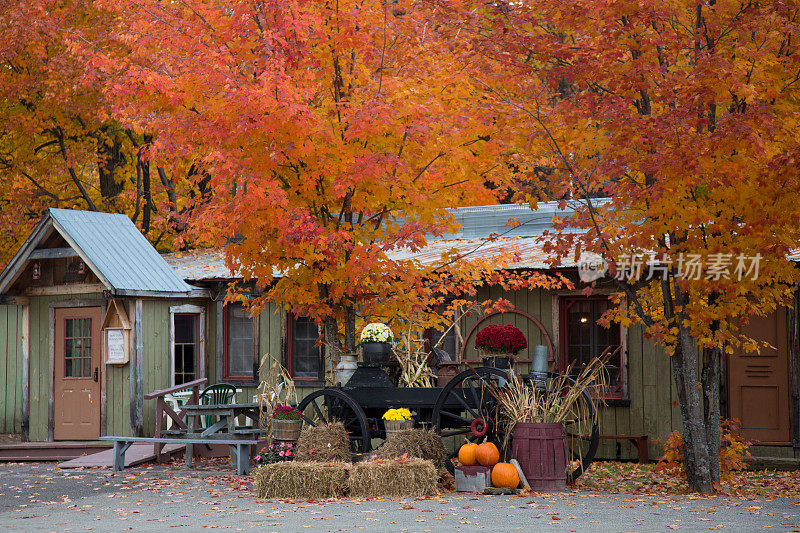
x: 640, y: 441
x: 240, y: 449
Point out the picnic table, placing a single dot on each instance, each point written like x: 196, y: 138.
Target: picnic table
x: 240, y: 439
x: 225, y: 428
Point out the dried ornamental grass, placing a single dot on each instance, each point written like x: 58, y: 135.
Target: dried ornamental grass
x: 297, y: 480
x: 394, y: 478
x: 324, y: 444
x: 419, y: 443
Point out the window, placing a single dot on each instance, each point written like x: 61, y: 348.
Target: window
x: 186, y: 348
x: 78, y: 348
x: 239, y: 353
x: 305, y: 356
x: 582, y: 338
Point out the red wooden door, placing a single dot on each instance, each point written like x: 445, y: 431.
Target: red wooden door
x: 758, y: 385
x: 76, y: 380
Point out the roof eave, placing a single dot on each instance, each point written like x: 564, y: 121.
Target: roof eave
x: 133, y: 293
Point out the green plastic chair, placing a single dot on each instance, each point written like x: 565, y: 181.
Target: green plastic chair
x: 218, y: 394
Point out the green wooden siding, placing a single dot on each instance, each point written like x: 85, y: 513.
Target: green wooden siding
x: 11, y: 368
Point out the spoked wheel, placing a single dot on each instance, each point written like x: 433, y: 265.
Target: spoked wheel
x: 329, y: 405
x: 466, y: 407
x: 582, y: 433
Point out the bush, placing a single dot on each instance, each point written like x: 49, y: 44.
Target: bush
x: 733, y: 451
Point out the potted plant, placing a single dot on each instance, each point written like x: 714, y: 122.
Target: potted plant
x: 395, y: 420
x: 287, y: 421
x: 499, y: 344
x: 376, y: 347
x: 534, y: 418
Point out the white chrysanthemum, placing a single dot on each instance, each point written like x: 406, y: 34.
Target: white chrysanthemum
x: 376, y: 332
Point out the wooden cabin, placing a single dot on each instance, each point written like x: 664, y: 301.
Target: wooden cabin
x: 92, y: 319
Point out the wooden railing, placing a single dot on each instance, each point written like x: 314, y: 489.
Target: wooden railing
x: 162, y: 408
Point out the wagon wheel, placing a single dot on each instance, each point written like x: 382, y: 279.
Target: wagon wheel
x: 466, y: 407
x: 582, y: 433
x: 328, y: 405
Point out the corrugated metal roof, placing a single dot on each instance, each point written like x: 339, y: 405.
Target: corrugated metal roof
x: 481, y: 221
x: 478, y: 223
x: 209, y: 264
x: 117, y: 252
x: 199, y: 264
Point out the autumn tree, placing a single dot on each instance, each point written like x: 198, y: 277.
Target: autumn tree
x: 685, y: 115
x: 59, y: 147
x: 333, y: 133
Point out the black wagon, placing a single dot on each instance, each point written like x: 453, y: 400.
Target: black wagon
x: 465, y: 408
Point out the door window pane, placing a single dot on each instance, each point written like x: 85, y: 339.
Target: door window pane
x: 77, y: 347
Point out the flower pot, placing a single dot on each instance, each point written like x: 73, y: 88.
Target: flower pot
x: 346, y: 368
x: 286, y: 429
x: 541, y: 451
x: 376, y: 352
x: 393, y: 426
x: 501, y: 361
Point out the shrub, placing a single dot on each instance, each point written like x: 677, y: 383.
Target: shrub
x: 733, y: 451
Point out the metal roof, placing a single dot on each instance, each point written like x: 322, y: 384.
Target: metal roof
x: 481, y: 221
x: 204, y: 264
x: 477, y: 224
x: 209, y: 264
x: 112, y: 246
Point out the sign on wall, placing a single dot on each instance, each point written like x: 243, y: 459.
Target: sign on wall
x: 116, y: 334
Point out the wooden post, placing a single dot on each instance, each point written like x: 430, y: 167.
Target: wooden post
x: 51, y: 345
x: 26, y: 356
x: 793, y: 334
x: 220, y: 339
x: 137, y: 375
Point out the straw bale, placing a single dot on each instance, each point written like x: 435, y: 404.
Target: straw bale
x: 420, y: 443
x: 296, y: 480
x: 324, y: 444
x: 393, y: 478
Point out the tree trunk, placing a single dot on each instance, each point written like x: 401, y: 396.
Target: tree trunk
x: 710, y: 377
x: 695, y: 438
x: 110, y: 158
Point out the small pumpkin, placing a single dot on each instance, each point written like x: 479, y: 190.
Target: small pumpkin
x: 487, y: 454
x: 505, y: 475
x: 466, y: 454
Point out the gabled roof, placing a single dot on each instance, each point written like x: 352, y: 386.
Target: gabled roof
x: 109, y: 244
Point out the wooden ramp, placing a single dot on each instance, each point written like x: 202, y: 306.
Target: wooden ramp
x: 136, y: 455
x: 13, y: 450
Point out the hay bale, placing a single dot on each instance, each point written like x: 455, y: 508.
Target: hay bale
x: 324, y: 444
x: 418, y: 443
x: 296, y: 480
x: 393, y: 478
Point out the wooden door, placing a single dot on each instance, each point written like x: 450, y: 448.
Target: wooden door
x: 758, y: 385
x: 76, y: 380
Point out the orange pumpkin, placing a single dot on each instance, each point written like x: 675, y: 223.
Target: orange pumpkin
x: 466, y: 454
x: 505, y: 475
x: 487, y: 454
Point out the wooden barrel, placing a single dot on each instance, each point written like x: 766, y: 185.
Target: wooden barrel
x: 286, y: 429
x: 541, y: 451
x: 396, y: 426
